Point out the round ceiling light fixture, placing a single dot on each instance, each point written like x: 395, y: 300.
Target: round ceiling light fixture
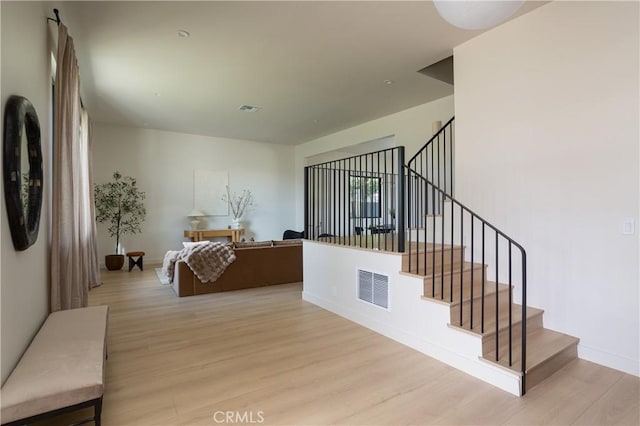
x: 476, y: 14
x: 183, y: 33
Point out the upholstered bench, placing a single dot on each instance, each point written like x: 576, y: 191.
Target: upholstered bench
x: 62, y: 369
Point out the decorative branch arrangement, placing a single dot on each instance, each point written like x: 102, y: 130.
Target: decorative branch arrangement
x: 238, y: 203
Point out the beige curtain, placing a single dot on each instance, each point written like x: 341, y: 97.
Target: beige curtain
x: 74, y: 267
x: 89, y: 228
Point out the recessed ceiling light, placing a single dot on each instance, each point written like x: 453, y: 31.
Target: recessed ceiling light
x: 249, y: 108
x: 183, y: 33
x: 388, y: 82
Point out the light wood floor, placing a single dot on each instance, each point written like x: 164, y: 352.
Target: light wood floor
x: 269, y: 355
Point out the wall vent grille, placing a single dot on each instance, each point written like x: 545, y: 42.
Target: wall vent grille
x: 373, y: 288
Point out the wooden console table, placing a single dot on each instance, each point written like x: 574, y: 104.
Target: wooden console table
x: 200, y: 234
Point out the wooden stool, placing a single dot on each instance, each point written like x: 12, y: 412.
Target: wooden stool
x: 135, y: 258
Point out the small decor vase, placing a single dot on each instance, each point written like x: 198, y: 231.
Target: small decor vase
x: 236, y: 223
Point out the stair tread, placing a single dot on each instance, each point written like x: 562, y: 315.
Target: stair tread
x: 430, y: 247
x: 542, y: 344
x: 466, y: 268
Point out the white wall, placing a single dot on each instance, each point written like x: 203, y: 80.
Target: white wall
x: 547, y: 148
x: 411, y: 127
x: 24, y: 278
x: 163, y: 163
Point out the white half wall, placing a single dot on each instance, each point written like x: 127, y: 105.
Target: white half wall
x: 330, y: 281
x: 24, y: 276
x: 163, y: 163
x: 547, y: 123
x: 411, y: 128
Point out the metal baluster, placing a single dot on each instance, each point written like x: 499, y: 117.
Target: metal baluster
x: 510, y: 305
x: 387, y: 186
x: 451, y: 253
x: 497, y: 305
x: 462, y: 262
x: 523, y: 368
x: 442, y: 166
x: 425, y: 214
x: 451, y: 158
x: 360, y: 219
x: 401, y: 194
x: 433, y: 249
x: 333, y: 198
x: 306, y: 201
x: 472, y: 268
x: 442, y: 247
x: 400, y: 198
x: 347, y: 177
x: 379, y: 195
x: 483, y: 277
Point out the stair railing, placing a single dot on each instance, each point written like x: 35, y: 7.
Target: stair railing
x: 365, y: 199
x: 435, y: 162
x: 357, y: 201
x: 443, y: 232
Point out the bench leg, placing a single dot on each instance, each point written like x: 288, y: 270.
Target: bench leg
x: 97, y: 412
x: 96, y: 403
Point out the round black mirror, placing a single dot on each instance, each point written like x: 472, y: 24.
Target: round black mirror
x: 22, y: 185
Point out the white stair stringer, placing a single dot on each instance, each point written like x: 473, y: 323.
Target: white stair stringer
x: 411, y: 320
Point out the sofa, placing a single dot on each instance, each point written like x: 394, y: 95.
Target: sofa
x: 257, y: 264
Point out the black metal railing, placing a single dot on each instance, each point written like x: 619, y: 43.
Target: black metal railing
x: 458, y: 251
x: 367, y: 200
x: 357, y: 201
x: 435, y: 163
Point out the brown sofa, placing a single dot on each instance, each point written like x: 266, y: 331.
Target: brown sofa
x: 256, y: 265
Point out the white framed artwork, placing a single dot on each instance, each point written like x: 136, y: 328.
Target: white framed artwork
x: 208, y: 188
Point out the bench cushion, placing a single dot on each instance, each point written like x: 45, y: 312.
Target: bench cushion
x: 63, y: 365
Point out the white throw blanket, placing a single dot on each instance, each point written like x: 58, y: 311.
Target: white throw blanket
x: 207, y: 261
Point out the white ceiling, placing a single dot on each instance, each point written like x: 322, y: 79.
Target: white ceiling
x: 313, y: 67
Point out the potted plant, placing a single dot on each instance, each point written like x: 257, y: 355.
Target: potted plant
x: 119, y: 204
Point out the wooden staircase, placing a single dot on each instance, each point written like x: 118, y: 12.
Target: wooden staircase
x: 459, y: 259
x: 488, y: 311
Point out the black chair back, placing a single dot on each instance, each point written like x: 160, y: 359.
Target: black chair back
x: 292, y: 235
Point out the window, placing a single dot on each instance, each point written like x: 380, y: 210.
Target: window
x: 365, y: 196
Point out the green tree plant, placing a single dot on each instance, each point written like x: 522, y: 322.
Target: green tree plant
x: 119, y: 203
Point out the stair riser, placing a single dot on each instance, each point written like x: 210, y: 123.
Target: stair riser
x: 434, y: 261
x: 550, y: 366
x: 489, y: 341
x: 478, y: 271
x: 489, y: 307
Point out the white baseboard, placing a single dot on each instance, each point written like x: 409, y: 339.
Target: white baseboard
x: 615, y: 361
x: 505, y: 380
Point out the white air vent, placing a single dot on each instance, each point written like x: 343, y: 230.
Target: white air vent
x: 373, y: 288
